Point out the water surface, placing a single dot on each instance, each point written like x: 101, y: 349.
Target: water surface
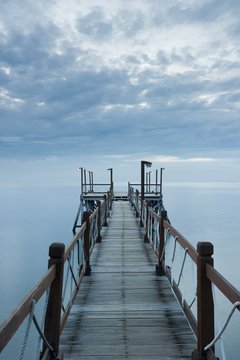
x: 32, y: 218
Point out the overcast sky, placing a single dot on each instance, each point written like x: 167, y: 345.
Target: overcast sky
x: 111, y: 82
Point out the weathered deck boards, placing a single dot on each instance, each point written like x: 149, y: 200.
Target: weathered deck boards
x: 124, y: 311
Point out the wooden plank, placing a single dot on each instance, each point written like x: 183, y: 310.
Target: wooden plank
x: 124, y: 310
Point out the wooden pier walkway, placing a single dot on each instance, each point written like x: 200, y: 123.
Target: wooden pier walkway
x: 123, y: 310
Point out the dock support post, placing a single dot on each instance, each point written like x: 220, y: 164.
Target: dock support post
x: 85, y: 218
x: 53, y: 314
x: 146, y: 238
x: 142, y: 215
x: 159, y: 268
x: 108, y: 204
x: 99, y: 237
x: 205, y: 305
x: 105, y: 214
x: 136, y: 205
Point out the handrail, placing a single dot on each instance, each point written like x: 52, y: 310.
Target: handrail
x: 13, y: 322
x: 223, y: 285
x: 74, y: 241
x: 206, y: 273
x: 154, y: 215
x: 192, y: 252
x: 98, y: 184
x: 54, y: 279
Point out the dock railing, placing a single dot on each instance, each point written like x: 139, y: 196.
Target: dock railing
x: 96, y: 188
x: 148, y: 188
x: 60, y: 284
x: 85, y: 203
x: 165, y: 239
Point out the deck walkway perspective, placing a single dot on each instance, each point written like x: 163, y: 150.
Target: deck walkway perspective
x: 125, y: 311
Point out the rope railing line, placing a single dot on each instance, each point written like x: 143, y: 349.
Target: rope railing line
x: 235, y: 306
x: 42, y: 325
x: 193, y: 278
x: 43, y: 337
x: 173, y: 258
x: 72, y: 244
x: 174, y: 249
x: 167, y: 237
x: 183, y: 242
x: 193, y: 300
x: 30, y: 318
x: 65, y: 286
x: 183, y: 263
x: 218, y: 322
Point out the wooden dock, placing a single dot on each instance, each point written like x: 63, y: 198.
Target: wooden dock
x: 123, y: 310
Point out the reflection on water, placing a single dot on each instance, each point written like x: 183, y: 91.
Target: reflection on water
x: 31, y: 219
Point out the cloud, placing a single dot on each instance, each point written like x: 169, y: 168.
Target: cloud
x: 110, y: 78
x: 11, y: 139
x: 95, y: 25
x: 175, y: 159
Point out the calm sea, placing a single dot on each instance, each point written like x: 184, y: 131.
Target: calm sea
x: 31, y: 219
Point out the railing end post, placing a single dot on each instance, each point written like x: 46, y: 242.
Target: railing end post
x: 159, y: 267
x: 205, y: 304
x: 53, y: 314
x: 164, y: 214
x: 56, y: 250
x: 85, y: 218
x: 205, y: 248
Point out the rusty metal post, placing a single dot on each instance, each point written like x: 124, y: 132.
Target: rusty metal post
x: 85, y: 218
x: 105, y: 213
x: 159, y: 268
x: 53, y: 314
x: 146, y: 239
x: 99, y: 238
x: 205, y: 305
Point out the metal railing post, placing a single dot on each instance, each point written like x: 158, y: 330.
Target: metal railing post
x: 205, y: 305
x: 53, y: 314
x: 159, y: 268
x: 85, y: 218
x: 99, y: 238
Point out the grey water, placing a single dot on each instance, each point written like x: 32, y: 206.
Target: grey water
x: 32, y: 218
